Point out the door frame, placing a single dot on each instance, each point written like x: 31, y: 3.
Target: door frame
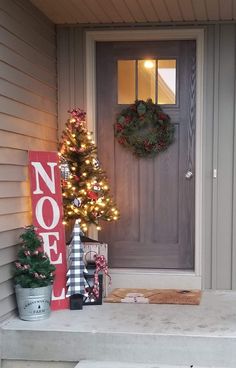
x: 155, y: 278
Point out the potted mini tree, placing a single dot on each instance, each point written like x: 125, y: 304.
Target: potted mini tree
x: 33, y: 275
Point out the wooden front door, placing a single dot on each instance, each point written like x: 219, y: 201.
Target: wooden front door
x: 155, y: 196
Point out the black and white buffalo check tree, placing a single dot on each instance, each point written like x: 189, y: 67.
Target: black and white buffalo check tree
x: 76, y: 269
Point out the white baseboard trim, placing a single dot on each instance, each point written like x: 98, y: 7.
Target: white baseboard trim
x: 131, y: 278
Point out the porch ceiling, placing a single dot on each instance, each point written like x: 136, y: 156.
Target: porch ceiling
x: 136, y: 11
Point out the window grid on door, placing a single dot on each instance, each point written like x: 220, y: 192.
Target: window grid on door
x: 144, y: 79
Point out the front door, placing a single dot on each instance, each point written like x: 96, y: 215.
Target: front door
x: 155, y: 196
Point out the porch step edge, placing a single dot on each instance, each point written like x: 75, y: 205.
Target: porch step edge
x: 115, y: 364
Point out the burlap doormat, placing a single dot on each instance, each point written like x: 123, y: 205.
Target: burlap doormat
x: 154, y: 296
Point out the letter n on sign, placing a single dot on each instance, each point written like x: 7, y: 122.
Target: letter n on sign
x: 47, y: 217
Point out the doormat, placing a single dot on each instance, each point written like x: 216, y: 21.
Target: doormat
x: 154, y: 296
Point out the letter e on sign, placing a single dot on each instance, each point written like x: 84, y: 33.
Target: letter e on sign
x: 47, y: 211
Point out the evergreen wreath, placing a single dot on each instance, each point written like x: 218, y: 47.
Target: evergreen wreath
x: 144, y: 128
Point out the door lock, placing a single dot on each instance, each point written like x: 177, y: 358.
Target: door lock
x: 189, y: 175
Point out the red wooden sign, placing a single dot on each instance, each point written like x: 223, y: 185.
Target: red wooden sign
x: 47, y: 217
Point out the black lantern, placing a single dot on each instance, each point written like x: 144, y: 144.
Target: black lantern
x: 91, y: 298
x: 76, y: 301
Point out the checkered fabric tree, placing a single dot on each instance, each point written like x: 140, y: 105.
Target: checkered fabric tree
x: 76, y: 269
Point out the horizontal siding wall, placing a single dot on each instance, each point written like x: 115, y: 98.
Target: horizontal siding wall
x: 219, y: 140
x: 71, y: 72
x: 28, y: 121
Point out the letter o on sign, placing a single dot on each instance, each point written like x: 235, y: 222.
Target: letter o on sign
x: 39, y: 212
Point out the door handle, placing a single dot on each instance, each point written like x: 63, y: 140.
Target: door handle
x: 189, y: 175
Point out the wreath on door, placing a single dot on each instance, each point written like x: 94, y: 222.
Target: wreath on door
x: 144, y: 128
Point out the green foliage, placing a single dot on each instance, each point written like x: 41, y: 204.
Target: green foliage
x: 144, y: 129
x: 33, y: 268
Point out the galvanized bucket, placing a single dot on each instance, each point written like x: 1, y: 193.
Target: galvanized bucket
x: 33, y: 303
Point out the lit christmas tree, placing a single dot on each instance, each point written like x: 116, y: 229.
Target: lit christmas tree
x: 85, y: 190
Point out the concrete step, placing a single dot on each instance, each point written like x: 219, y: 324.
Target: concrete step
x: 177, y: 335
x: 112, y: 364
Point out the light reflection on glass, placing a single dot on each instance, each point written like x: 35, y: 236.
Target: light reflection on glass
x: 146, y: 79
x: 166, y: 84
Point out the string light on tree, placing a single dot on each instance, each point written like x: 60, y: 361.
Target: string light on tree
x: 86, y: 193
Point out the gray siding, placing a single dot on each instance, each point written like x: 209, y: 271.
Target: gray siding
x: 71, y: 72
x: 28, y: 120
x: 223, y: 246
x: 219, y: 143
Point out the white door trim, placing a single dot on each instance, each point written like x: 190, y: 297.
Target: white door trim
x: 160, y: 278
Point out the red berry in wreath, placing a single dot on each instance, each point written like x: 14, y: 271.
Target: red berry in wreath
x: 119, y: 127
x: 162, y: 116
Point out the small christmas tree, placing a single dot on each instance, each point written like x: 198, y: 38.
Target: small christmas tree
x: 33, y: 268
x: 85, y: 187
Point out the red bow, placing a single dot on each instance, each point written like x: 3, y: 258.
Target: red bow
x: 101, y: 265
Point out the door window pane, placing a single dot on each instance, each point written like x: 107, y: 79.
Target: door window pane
x: 155, y: 79
x: 126, y: 81
x: 166, y: 83
x: 147, y: 79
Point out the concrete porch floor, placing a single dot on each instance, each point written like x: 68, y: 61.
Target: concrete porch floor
x: 203, y: 335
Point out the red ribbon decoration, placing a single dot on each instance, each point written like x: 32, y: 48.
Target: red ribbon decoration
x: 101, y: 265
